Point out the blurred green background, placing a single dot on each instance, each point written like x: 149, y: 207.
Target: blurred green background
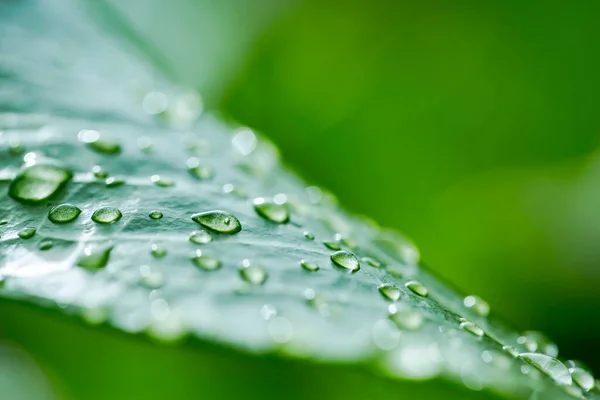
x: 470, y: 126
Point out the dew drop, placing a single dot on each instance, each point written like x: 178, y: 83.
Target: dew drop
x: 228, y: 188
x: 335, y: 246
x: 417, y: 288
x: 206, y: 263
x: 472, y: 328
x: 309, y: 235
x: 155, y: 214
x: 344, y: 259
x: 550, y: 366
x: 99, y: 173
x: 309, y: 266
x: 390, y: 292
x: 38, y: 181
x: 218, y: 221
x: 537, y: 342
x: 106, y: 215
x: 200, y: 237
x: 95, y: 142
x: 253, y: 274
x: 158, y: 251
x: 372, y: 262
x: 581, y: 374
x: 477, y: 304
x: 113, y: 182
x: 199, y: 171
x: 16, y: 148
x: 511, y: 350
x: 162, y: 181
x: 94, y: 258
x: 45, y: 244
x: 271, y: 211
x: 63, y: 213
x: 405, y: 318
x: 27, y: 233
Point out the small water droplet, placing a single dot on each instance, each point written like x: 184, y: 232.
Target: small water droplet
x: 372, y: 262
x: 145, y: 144
x: 477, y: 304
x: 162, y: 181
x: 472, y: 328
x: 200, y: 237
x: 417, y: 288
x: 309, y: 235
x: 550, y: 366
x: 228, y: 188
x: 309, y: 266
x: 405, y: 318
x: 253, y: 274
x: 114, y: 182
x: 99, y: 173
x: 218, y: 221
x: 270, y: 211
x: 94, y: 258
x: 16, y: 148
x: 158, y: 251
x: 37, y: 182
x: 511, y: 350
x: 206, y: 263
x: 345, y: 260
x: 335, y: 246
x: 200, y: 171
x: 27, y: 232
x: 63, y: 213
x: 581, y: 374
x: 151, y: 277
x: 351, y: 244
x: 390, y: 292
x: 45, y: 244
x: 106, y: 215
x: 95, y: 142
x: 155, y: 214
x: 537, y: 342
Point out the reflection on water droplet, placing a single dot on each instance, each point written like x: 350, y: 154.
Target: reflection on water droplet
x: 106, y: 215
x: 27, y: 232
x: 253, y: 274
x: 372, y: 262
x: 45, y: 244
x: 309, y: 266
x: 158, y: 251
x: 204, y: 262
x: 537, y: 342
x: 405, y: 318
x: 162, y: 181
x: 477, y: 304
x: 218, y: 221
x: 550, y: 366
x: 345, y: 260
x: 38, y: 181
x: 472, y: 328
x: 155, y: 214
x: 63, y: 213
x: 200, y: 237
x: 99, y: 173
x: 332, y: 245
x: 270, y: 211
x: 95, y: 142
x: 389, y: 292
x: 94, y: 258
x: 417, y: 288
x: 309, y: 235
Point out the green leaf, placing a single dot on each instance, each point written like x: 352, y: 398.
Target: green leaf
x: 216, y: 259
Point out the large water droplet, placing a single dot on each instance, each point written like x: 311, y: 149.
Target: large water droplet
x: 200, y: 237
x: 63, y: 213
x: 158, y: 251
x: 199, y: 171
x: 581, y: 374
x: 345, y: 260
x: 155, y: 214
x: 218, y: 221
x: 253, y: 274
x: 39, y: 181
x: 405, y: 318
x: 477, y: 304
x: 95, y: 142
x: 94, y: 258
x: 550, y: 366
x: 207, y: 263
x: 27, y: 232
x: 537, y: 342
x: 472, y: 328
x: 417, y: 288
x: 45, y: 244
x: 271, y: 211
x: 106, y: 215
x: 309, y: 266
x: 390, y: 292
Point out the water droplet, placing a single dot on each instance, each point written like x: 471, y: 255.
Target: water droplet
x: 309, y: 266
x: 405, y: 318
x: 537, y: 342
x: 550, y: 366
x: 63, y: 213
x: 472, y: 328
x: 273, y: 212
x: 253, y: 274
x: 511, y: 350
x: 113, y: 182
x: 351, y: 244
x: 98, y: 144
x: 309, y: 235
x: 16, y: 148
x: 372, y: 262
x: 99, y: 173
x: 162, y: 181
x: 390, y: 292
x: 581, y: 374
x: 151, y: 277
x: 244, y: 141
x: 158, y: 251
x: 38, y: 181
x: 199, y: 171
x: 200, y: 237
x: 345, y: 260
x: 94, y: 258
x: 106, y: 215
x: 155, y: 214
x: 218, y: 221
x: 45, y: 244
x: 27, y: 232
x: 206, y: 263
x: 335, y: 246
x: 417, y: 288
x: 477, y: 304
x: 228, y: 188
